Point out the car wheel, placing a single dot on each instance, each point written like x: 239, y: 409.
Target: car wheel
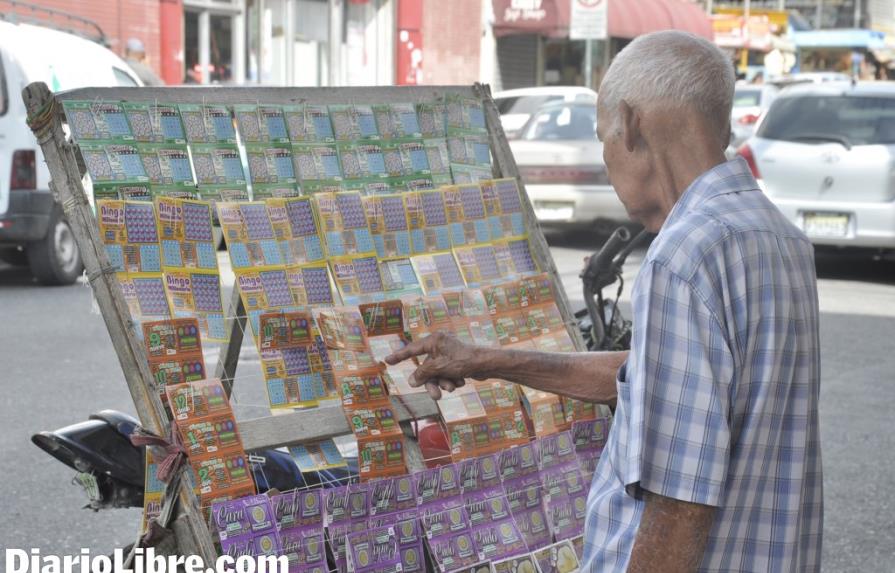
x: 14, y: 257
x: 55, y: 260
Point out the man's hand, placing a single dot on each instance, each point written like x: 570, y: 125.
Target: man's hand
x: 447, y: 364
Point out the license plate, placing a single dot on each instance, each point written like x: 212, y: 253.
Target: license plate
x: 825, y: 224
x: 554, y: 211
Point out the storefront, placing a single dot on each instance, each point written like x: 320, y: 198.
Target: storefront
x: 846, y: 51
x: 214, y: 41
x: 533, y: 45
x: 321, y: 42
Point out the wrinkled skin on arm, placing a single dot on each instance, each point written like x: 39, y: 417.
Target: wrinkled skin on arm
x: 672, y: 535
x: 587, y: 376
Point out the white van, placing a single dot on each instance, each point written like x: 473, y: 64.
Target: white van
x: 33, y: 229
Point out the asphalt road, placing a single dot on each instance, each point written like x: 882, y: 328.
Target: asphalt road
x: 57, y: 366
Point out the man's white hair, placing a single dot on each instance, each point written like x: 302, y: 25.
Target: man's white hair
x: 670, y: 69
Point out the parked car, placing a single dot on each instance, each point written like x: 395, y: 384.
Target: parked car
x: 561, y: 163
x: 825, y: 154
x: 517, y: 106
x: 33, y: 229
x: 750, y: 102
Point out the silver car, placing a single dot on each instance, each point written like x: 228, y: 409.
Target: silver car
x: 825, y: 155
x: 561, y: 162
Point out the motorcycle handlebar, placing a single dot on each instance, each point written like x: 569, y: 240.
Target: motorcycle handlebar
x: 599, y: 263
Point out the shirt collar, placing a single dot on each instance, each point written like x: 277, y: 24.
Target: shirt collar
x: 728, y: 177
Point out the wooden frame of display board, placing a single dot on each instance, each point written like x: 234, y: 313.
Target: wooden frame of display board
x: 67, y: 170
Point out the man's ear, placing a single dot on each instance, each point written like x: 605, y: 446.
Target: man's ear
x: 630, y: 122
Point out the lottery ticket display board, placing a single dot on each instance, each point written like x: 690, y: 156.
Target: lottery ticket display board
x: 351, y: 230
x: 522, y: 508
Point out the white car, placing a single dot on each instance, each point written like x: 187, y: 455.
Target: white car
x: 517, y: 106
x: 33, y: 229
x: 560, y: 161
x: 825, y: 155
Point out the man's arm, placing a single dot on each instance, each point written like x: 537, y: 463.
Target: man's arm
x: 672, y: 535
x: 588, y: 376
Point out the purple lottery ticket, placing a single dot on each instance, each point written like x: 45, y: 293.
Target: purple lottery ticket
x: 243, y: 516
x: 298, y: 509
x: 374, y: 551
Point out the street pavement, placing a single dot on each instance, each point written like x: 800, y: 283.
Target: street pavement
x: 57, y: 366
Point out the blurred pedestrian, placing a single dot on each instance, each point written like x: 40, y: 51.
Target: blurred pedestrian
x: 135, y: 56
x: 713, y: 461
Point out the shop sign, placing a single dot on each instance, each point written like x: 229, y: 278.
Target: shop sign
x: 588, y: 20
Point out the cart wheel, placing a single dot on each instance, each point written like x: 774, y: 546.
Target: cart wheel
x: 55, y: 259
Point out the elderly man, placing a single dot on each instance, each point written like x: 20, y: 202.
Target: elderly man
x: 713, y: 461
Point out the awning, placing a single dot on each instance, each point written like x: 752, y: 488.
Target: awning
x: 626, y: 18
x: 843, y: 38
x: 631, y: 19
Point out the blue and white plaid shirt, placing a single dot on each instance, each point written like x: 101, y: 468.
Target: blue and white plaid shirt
x: 717, y: 403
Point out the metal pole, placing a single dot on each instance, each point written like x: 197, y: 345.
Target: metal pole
x: 205, y: 46
x: 857, y: 13
x: 709, y: 7
x: 818, y: 14
x: 781, y: 5
x: 588, y: 63
x: 237, y: 47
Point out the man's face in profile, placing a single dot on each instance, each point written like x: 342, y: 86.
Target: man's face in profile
x: 630, y: 171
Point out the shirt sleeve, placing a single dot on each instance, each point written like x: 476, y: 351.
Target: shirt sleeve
x: 679, y: 393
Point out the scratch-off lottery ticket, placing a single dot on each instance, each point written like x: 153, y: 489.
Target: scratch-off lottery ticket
x: 519, y: 252
x: 344, y: 223
x: 174, y: 350
x: 432, y: 119
x: 503, y: 205
x: 464, y: 114
x: 388, y: 225
x: 357, y: 278
x: 353, y: 122
x: 261, y: 124
x: 466, y: 214
x: 316, y: 162
x: 113, y: 162
x: 469, y: 149
x: 399, y: 278
x: 197, y: 294
x: 250, y: 236
x: 295, y: 227
x: 155, y: 122
x: 218, y: 165
x: 167, y: 164
x: 97, y: 120
x: 342, y: 328
x: 402, y: 159
x: 479, y: 265
x: 127, y: 229
x: 362, y: 160
x: 207, y: 123
x: 309, y: 123
x: 397, y: 121
x: 317, y: 456
x: 270, y: 163
x: 427, y: 221
x: 438, y: 272
x: 185, y: 233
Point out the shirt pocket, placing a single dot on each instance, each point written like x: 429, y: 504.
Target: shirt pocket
x: 620, y: 423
